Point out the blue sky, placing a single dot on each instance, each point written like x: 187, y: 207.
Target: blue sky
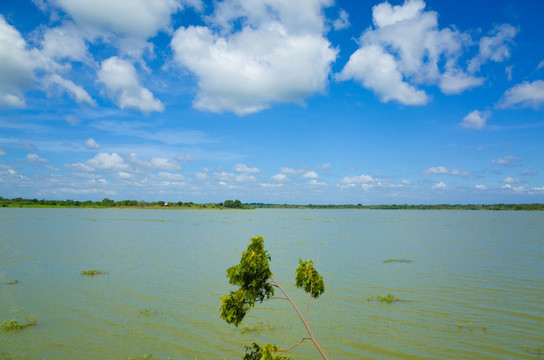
x: 317, y: 101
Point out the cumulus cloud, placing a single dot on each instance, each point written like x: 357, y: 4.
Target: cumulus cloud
x: 495, y: 47
x: 342, y: 22
x: 91, y: 144
x: 34, y: 158
x: 128, y: 24
x: 526, y: 94
x: 475, y: 120
x: 279, y: 177
x: 444, y: 171
x: 480, y: 187
x: 439, y: 185
x: 75, y: 91
x: 405, y: 48
x: 244, y: 169
x: 122, y: 84
x: 65, y: 42
x: 510, y: 180
x: 505, y: 161
x: 277, y: 55
x: 105, y: 161
x: 225, y: 177
x: 360, y: 179
x: 310, y: 175
x: 17, y: 70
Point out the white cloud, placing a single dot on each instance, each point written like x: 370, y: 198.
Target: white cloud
x: 526, y: 94
x: 105, y: 161
x: 279, y: 177
x: 278, y: 56
x: 165, y: 164
x: 201, y: 176
x: 439, y: 185
x: 378, y: 70
x: 17, y: 69
x: 72, y: 120
x: 75, y: 91
x: 35, y: 158
x: 510, y: 180
x: 495, y: 47
x: 475, y: 120
x: 360, y: 179
x: 244, y: 169
x: 505, y: 161
x: 126, y: 23
x: 27, y: 145
x: 481, y: 187
x: 229, y: 177
x: 310, y: 175
x: 79, y: 167
x: 445, y: 171
x: 91, y: 144
x: 406, y: 48
x: 2, y: 151
x: 287, y: 171
x: 342, y: 22
x: 121, y: 80
x: 540, y: 65
x: 171, y: 176
x: 66, y: 42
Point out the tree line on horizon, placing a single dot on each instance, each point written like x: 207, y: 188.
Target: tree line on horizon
x: 237, y: 204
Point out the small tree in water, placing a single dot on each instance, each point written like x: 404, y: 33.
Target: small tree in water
x: 255, y: 281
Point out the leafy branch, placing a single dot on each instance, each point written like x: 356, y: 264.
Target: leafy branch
x: 256, y: 284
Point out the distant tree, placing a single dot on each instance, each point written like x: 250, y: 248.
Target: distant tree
x: 255, y: 281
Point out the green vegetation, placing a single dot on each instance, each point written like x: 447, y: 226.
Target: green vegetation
x: 468, y: 325
x: 14, y: 282
x: 263, y: 353
x: 254, y: 279
x: 237, y: 204
x: 123, y: 204
x: 145, y: 357
x: 260, y: 326
x: 148, y: 312
x: 402, y: 261
x: 93, y: 272
x: 509, y: 207
x: 14, y: 324
x: 389, y: 298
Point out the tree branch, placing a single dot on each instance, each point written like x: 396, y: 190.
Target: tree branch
x: 302, y: 319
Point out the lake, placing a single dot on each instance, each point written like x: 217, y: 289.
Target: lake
x: 472, y: 283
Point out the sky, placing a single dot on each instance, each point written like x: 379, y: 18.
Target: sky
x: 273, y: 101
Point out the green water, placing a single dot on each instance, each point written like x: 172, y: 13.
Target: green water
x: 480, y: 267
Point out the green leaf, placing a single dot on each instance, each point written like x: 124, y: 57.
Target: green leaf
x: 307, y: 277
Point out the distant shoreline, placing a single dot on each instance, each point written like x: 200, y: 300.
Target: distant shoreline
x: 236, y: 204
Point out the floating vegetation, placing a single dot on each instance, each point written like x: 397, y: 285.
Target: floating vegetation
x: 148, y: 312
x: 13, y: 282
x: 389, y: 298
x: 260, y: 326
x: 402, y: 261
x: 15, y: 325
x: 146, y: 357
x: 93, y: 272
x: 535, y: 351
x: 469, y: 326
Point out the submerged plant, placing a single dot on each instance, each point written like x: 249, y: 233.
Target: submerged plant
x: 255, y: 281
x: 93, y: 272
x: 389, y: 298
x: 148, y: 312
x: 468, y: 325
x: 403, y: 261
x: 13, y: 282
x: 257, y: 328
x: 15, y: 325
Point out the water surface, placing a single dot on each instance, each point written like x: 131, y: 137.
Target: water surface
x: 473, y: 268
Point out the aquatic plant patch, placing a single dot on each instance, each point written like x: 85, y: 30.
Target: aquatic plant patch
x: 93, y: 272
x: 15, y: 325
